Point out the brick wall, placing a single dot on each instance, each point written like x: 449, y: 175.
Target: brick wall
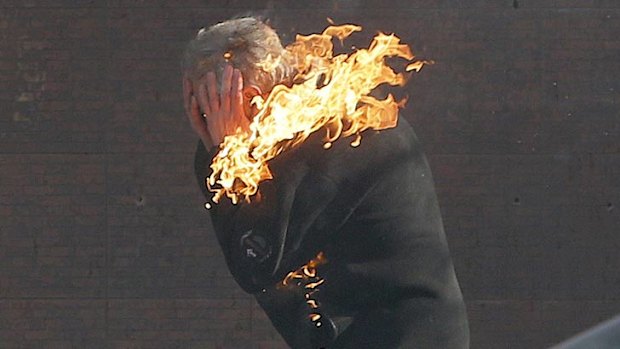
x: 104, y: 242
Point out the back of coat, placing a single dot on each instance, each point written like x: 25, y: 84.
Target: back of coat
x: 387, y: 281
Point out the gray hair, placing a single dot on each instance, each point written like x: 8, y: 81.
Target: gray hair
x: 248, y: 44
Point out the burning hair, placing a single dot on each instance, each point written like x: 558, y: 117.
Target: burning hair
x: 246, y: 43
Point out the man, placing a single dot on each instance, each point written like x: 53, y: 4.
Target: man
x: 367, y: 218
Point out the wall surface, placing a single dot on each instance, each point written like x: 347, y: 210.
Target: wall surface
x: 104, y: 241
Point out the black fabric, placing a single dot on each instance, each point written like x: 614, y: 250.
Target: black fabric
x: 372, y: 210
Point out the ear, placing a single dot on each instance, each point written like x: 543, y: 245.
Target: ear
x: 251, y: 91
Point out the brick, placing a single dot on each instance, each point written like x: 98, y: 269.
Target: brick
x: 100, y: 213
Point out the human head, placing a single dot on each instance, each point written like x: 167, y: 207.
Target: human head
x: 246, y: 43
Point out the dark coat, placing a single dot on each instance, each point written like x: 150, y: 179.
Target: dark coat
x: 389, y: 281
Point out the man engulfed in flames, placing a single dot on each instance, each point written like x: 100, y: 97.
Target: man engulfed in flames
x: 339, y: 239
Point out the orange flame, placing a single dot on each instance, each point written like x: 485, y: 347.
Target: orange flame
x: 306, y: 271
x: 307, y: 276
x: 333, y: 94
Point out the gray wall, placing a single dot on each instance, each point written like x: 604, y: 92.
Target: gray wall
x: 104, y: 242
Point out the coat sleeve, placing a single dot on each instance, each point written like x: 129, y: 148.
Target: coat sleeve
x: 224, y: 217
x: 252, y: 235
x: 313, y: 193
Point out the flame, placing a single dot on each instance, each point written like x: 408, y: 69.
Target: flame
x: 307, y: 271
x: 314, y: 317
x: 314, y: 285
x: 307, y: 277
x: 331, y: 93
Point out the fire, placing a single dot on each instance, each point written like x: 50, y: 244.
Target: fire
x: 307, y: 277
x: 307, y: 272
x: 331, y: 93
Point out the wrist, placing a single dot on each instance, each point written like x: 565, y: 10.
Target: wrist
x: 207, y: 142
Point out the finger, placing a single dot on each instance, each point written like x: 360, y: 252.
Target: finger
x: 236, y: 102
x: 201, y: 127
x: 203, y: 100
x: 225, y: 92
x: 196, y: 119
x: 199, y: 124
x: 214, y: 102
